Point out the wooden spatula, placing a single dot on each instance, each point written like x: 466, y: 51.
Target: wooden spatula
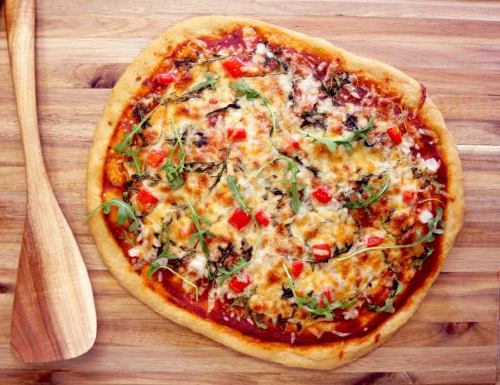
x: 54, y: 314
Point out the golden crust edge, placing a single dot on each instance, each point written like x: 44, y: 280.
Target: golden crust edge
x: 325, y: 356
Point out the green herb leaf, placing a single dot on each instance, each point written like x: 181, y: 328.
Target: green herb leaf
x: 311, y: 304
x: 333, y: 143
x: 388, y: 306
x: 243, y: 89
x: 209, y: 82
x: 334, y: 89
x: 200, y: 233
x: 291, y: 180
x: 419, y: 261
x: 433, y: 230
x: 235, y: 190
x: 129, y: 136
x: 224, y: 274
x: 136, y: 163
x: 292, y: 170
x: 173, y: 172
x: 125, y: 212
x: 374, y: 197
x: 160, y: 264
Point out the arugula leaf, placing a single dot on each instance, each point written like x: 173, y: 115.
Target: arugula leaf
x: 127, y: 138
x: 200, y: 233
x: 225, y: 274
x: 388, y: 306
x: 235, y: 190
x: 333, y: 143
x: 419, y: 261
x: 222, y: 170
x: 125, y: 212
x: 294, y: 188
x: 160, y: 263
x: 173, y: 172
x: 374, y: 197
x: 430, y: 236
x: 311, y: 304
x: 340, y: 81
x: 136, y: 163
x: 209, y: 82
x: 243, y: 89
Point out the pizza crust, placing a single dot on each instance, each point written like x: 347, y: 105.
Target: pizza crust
x: 321, y: 356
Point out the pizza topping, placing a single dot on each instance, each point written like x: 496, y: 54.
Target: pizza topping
x: 262, y: 218
x: 239, y: 283
x: 374, y: 241
x: 346, y: 142
x: 354, y: 188
x: 165, y: 78
x: 425, y: 216
x: 432, y: 164
x: 236, y: 134
x: 234, y: 67
x: 297, y: 267
x: 146, y: 198
x: 322, y: 194
x: 322, y: 252
x: 395, y: 135
x: 239, y: 219
x: 155, y: 158
x: 409, y: 197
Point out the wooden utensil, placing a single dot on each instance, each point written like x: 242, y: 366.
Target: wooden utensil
x: 54, y: 314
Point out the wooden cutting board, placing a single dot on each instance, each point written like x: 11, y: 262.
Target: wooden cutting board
x: 453, y: 47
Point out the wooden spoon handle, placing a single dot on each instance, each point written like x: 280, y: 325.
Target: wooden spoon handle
x: 53, y: 316
x: 20, y: 23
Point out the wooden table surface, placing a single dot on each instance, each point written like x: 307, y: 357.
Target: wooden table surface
x: 453, y: 47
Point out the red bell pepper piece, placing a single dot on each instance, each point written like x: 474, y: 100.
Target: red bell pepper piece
x: 262, y: 218
x: 374, y: 241
x: 165, y: 78
x: 395, y: 135
x: 233, y: 67
x: 237, y: 134
x: 239, y: 219
x: 238, y: 284
x: 146, y: 198
x: 155, y: 158
x: 297, y: 267
x: 322, y: 251
x: 322, y: 194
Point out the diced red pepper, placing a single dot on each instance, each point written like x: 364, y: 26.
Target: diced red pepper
x: 374, y: 241
x: 146, y: 198
x: 233, y: 67
x: 322, y: 194
x: 237, y: 134
x: 326, y: 294
x: 262, y: 218
x: 165, y: 78
x: 409, y: 197
x: 292, y: 146
x: 297, y: 267
x: 239, y: 219
x: 395, y: 135
x: 155, y: 158
x: 238, y: 284
x: 322, y: 251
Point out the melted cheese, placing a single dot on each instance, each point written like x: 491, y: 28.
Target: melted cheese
x: 258, y: 167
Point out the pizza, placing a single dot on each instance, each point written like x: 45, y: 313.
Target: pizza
x: 272, y: 192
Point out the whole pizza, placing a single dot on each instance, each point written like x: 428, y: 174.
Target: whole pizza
x: 277, y: 194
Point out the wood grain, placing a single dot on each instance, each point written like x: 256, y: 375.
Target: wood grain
x: 453, y: 47
x: 53, y: 316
